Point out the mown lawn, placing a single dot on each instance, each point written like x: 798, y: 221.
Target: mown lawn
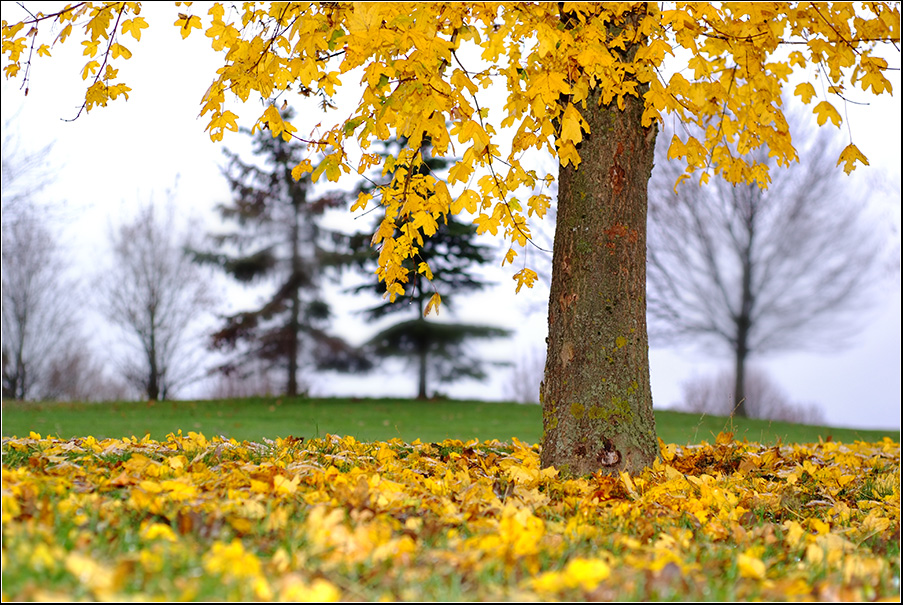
x: 368, y: 420
x: 334, y: 518
x: 325, y: 500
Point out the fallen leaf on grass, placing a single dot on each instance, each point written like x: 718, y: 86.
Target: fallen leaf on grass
x: 335, y: 518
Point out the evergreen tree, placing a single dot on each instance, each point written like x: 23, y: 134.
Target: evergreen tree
x: 437, y: 350
x: 278, y: 237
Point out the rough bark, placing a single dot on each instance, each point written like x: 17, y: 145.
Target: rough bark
x: 596, y: 394
x: 741, y: 348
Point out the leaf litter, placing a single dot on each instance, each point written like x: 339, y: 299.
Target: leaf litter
x: 332, y: 518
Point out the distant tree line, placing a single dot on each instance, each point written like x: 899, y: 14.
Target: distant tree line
x: 740, y: 270
x: 43, y: 345
x: 155, y: 293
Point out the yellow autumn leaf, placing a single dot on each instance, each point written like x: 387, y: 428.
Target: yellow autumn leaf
x: 232, y: 559
x: 158, y: 531
x: 460, y: 172
x: 433, y: 304
x: 587, y: 573
x: 572, y: 125
x: 134, y: 27
x: 628, y: 484
x: 825, y: 112
x: 580, y: 572
x: 100, y: 580
x: 303, y: 168
x: 65, y: 33
x: 363, y: 198
x: 186, y: 24
x: 524, y: 277
x: 805, y: 91
x: 179, y: 490
x: 849, y: 156
x: 386, y: 455
x: 819, y: 526
x: 750, y: 567
x: 485, y: 222
x: 317, y: 591
x: 91, y: 47
x: 326, y: 165
x: 90, y: 69
x: 510, y: 256
x: 118, y: 50
x: 424, y: 269
x: 284, y: 485
x: 151, y: 487
x: 443, y: 195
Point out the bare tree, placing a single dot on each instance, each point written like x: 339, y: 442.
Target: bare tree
x: 156, y: 295
x: 37, y: 303
x: 764, y: 398
x: 45, y: 353
x: 753, y: 271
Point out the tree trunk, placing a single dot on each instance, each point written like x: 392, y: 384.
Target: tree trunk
x: 740, y: 410
x: 422, y: 363
x: 744, y: 320
x: 422, y: 348
x: 596, y: 394
x: 294, y: 323
x: 153, y: 374
x: 741, y: 346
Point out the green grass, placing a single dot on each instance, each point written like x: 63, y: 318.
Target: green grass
x: 369, y: 420
x: 192, y: 519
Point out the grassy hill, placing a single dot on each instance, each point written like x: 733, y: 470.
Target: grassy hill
x: 370, y: 420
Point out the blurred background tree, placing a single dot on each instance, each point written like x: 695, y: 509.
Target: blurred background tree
x: 45, y: 353
x: 746, y: 271
x: 38, y: 314
x: 278, y: 240
x: 438, y: 351
x: 157, y: 297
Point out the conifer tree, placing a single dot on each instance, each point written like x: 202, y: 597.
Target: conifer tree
x: 438, y: 350
x: 278, y: 239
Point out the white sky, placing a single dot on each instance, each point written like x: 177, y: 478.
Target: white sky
x: 107, y: 161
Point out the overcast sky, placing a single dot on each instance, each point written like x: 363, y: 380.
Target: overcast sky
x: 106, y: 162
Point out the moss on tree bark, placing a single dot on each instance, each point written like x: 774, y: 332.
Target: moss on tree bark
x: 596, y: 394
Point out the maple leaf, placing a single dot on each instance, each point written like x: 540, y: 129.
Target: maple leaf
x: 186, y: 23
x: 469, y: 200
x: 826, y: 112
x: 525, y: 277
x: 849, y: 156
x: 572, y: 125
x: 134, y: 27
x: 805, y: 91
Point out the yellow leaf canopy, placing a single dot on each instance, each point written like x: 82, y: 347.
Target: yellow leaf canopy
x: 423, y: 70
